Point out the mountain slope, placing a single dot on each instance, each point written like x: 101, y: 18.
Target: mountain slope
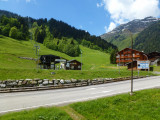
x: 8, y: 14
x: 11, y: 50
x: 60, y: 29
x: 119, y: 35
x: 149, y: 39
x: 95, y: 63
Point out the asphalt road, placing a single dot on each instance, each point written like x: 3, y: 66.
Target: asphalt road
x: 27, y: 100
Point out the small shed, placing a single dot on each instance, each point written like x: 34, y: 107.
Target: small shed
x: 129, y: 65
x: 73, y: 65
x: 139, y: 65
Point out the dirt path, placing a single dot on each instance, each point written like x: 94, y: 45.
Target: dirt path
x: 72, y: 113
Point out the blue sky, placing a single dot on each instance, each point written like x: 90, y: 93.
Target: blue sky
x: 95, y: 16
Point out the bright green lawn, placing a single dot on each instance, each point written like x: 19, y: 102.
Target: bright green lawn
x: 156, y: 68
x: 38, y: 114
x: 62, y: 74
x: 143, y: 105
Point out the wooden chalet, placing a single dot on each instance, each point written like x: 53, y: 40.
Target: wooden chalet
x: 125, y: 56
x: 73, y: 65
x: 48, y: 61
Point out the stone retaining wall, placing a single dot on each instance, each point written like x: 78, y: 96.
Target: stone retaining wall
x: 46, y: 84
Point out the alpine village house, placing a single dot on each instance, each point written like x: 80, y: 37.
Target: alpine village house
x: 124, y: 57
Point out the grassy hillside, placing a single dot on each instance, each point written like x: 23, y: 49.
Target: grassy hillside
x: 38, y: 114
x: 95, y: 63
x: 125, y: 43
x: 121, y: 40
x: 11, y: 49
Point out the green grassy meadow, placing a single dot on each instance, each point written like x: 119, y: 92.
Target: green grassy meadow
x: 96, y: 64
x: 143, y: 105
x: 53, y: 113
x: 11, y: 49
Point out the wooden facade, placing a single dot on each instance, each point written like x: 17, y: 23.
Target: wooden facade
x: 47, y: 61
x: 125, y: 56
x: 129, y: 65
x: 73, y: 65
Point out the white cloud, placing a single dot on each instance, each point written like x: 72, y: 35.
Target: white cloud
x: 122, y: 11
x: 4, y: 0
x: 106, y: 29
x: 28, y: 1
x: 112, y: 25
x: 100, y: 4
x: 81, y: 26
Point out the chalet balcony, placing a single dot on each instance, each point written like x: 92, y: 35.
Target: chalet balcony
x: 129, y: 52
x: 123, y: 61
x: 128, y: 61
x: 125, y: 52
x: 122, y: 57
x: 136, y: 56
x: 130, y: 56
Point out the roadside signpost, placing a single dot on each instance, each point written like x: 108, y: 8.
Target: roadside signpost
x: 143, y: 65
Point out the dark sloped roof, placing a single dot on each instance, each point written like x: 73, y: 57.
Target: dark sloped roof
x: 131, y: 49
x: 48, y: 58
x: 72, y: 61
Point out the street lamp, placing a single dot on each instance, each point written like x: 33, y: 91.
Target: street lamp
x: 81, y: 60
x: 131, y: 93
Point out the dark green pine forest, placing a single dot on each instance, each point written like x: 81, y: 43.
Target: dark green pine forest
x: 54, y: 34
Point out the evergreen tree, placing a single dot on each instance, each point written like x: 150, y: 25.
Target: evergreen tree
x: 113, y: 56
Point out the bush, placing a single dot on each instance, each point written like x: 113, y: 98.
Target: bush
x: 13, y: 32
x: 5, y: 30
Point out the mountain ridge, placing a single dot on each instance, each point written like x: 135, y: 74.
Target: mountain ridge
x: 134, y: 26
x: 121, y: 37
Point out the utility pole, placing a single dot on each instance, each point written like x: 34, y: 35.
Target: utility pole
x: 81, y: 60
x: 37, y: 52
x: 37, y: 49
x: 131, y: 93
x: 131, y: 64
x: 119, y: 63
